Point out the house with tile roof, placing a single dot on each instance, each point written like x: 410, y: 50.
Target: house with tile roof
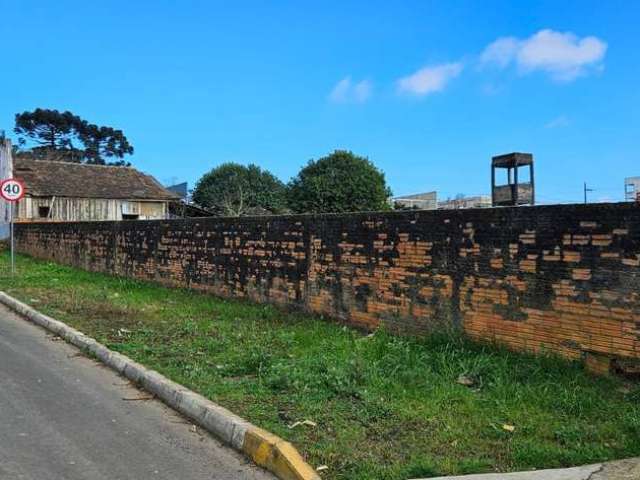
x: 63, y: 191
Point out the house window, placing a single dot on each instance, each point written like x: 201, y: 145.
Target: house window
x: 43, y: 212
x: 128, y: 216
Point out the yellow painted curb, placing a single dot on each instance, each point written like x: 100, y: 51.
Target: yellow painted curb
x: 276, y: 455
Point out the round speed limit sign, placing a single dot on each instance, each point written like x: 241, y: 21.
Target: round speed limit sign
x: 12, y: 190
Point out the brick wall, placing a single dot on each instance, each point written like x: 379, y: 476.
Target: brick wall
x: 563, y: 278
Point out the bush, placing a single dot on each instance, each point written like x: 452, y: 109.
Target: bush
x: 340, y: 182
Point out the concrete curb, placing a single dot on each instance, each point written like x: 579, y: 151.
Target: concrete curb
x: 265, y: 449
x: 626, y: 469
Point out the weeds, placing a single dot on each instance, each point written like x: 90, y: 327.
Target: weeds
x: 385, y: 407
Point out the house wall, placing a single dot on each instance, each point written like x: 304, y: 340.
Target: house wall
x: 562, y: 278
x: 88, y: 209
x: 6, y: 171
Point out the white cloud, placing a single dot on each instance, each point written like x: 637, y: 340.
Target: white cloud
x: 501, y: 52
x: 558, y: 122
x: 362, y: 91
x: 429, y: 79
x: 562, y: 55
x: 340, y: 91
x: 346, y: 91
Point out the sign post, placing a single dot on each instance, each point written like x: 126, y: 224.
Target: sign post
x: 12, y: 190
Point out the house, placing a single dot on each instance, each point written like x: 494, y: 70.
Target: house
x: 63, y: 191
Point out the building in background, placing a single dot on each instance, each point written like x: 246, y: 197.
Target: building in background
x: 632, y: 189
x: 180, y: 189
x: 184, y: 207
x: 477, y: 201
x: 418, y: 201
x: 63, y: 191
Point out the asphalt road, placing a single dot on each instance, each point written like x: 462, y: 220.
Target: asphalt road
x: 66, y: 417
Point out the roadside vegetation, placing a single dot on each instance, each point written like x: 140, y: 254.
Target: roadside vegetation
x: 367, y: 406
x: 338, y: 182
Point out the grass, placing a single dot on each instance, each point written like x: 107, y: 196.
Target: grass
x: 384, y: 407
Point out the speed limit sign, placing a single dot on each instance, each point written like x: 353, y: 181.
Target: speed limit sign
x: 12, y: 190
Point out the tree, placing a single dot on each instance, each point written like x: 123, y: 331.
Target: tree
x: 237, y: 190
x: 104, y: 142
x: 54, y: 135
x: 339, y: 182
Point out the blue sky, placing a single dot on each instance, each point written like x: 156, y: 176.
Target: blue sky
x: 428, y: 90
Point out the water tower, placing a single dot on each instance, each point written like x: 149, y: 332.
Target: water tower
x: 515, y: 192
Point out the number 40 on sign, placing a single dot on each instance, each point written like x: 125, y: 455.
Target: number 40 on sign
x: 12, y: 190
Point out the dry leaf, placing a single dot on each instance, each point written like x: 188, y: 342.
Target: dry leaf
x: 322, y: 467
x: 309, y: 423
x: 466, y: 381
x: 508, y: 428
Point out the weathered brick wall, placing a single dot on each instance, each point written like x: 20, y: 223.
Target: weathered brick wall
x: 562, y: 278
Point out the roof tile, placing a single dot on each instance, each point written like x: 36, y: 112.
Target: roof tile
x: 44, y: 178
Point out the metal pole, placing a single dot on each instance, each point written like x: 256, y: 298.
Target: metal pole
x: 516, y: 191
x: 533, y: 184
x: 586, y: 190
x: 493, y: 185
x: 13, y: 259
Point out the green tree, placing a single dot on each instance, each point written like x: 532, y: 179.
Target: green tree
x: 50, y: 133
x: 235, y: 190
x: 102, y: 143
x: 53, y: 135
x: 339, y: 182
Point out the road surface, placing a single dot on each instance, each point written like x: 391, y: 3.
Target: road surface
x: 64, y: 416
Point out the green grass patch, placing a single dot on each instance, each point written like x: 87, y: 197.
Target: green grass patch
x: 385, y: 407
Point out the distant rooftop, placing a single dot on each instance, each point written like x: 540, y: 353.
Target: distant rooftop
x: 181, y: 189
x: 418, y: 196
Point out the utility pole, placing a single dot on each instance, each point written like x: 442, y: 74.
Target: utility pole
x: 585, y: 191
